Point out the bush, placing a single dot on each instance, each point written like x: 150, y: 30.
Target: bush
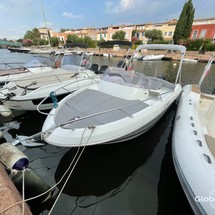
x: 198, y: 44
x: 158, y: 42
x: 209, y: 47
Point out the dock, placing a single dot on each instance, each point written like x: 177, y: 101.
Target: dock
x: 202, y: 57
x: 9, y: 196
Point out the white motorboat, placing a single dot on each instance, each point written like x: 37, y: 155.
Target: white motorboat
x: 35, y: 65
x: 152, y: 57
x: 26, y: 93
x: 137, y: 55
x: 188, y: 60
x: 120, y: 107
x: 20, y: 49
x: 193, y: 146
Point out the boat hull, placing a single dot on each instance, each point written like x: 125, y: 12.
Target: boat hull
x: 32, y: 100
x: 192, y: 158
x: 117, y: 131
x: 152, y: 57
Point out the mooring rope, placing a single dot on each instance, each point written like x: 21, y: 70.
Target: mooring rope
x: 92, y: 129
x: 51, y: 188
x: 23, y: 191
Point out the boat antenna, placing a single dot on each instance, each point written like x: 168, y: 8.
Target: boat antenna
x: 45, y: 22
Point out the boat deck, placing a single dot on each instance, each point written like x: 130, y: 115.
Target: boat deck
x: 103, y: 108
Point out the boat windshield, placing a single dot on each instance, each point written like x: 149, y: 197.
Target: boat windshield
x: 121, y: 76
x: 39, y: 61
x: 71, y: 59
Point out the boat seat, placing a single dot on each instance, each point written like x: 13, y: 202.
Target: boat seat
x: 195, y: 88
x: 95, y: 67
x: 211, y: 143
x: 102, y: 69
x: 114, y: 77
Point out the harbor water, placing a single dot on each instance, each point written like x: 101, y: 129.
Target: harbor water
x: 136, y: 177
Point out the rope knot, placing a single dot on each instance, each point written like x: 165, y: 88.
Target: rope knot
x: 54, y: 99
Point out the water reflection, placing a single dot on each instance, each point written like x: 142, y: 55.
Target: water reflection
x: 171, y: 197
x: 107, y: 174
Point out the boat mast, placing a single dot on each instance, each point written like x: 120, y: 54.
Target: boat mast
x: 45, y: 22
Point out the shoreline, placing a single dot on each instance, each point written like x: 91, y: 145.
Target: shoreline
x: 193, y: 55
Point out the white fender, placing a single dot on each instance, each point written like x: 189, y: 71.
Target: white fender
x: 12, y: 157
x: 4, y: 111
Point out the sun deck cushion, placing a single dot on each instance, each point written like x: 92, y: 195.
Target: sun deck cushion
x: 102, y: 108
x: 211, y: 143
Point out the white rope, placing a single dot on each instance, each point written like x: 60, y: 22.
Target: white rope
x: 23, y: 191
x: 51, y: 188
x: 72, y: 167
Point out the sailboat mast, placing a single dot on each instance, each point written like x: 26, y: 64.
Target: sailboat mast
x: 45, y: 22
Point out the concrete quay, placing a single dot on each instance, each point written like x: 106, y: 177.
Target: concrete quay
x: 10, y: 196
x: 168, y: 55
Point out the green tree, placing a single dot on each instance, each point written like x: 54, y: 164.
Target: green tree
x: 154, y: 34
x: 89, y: 42
x: 29, y: 35
x: 33, y: 35
x: 72, y: 38
x: 119, y: 35
x: 184, y: 25
x: 63, y: 30
x: 54, y: 41
x: 43, y: 42
x: 134, y: 33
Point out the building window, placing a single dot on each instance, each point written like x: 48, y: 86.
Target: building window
x: 170, y: 33
x: 194, y: 35
x: 105, y: 35
x: 165, y: 33
x: 203, y: 33
x: 143, y: 34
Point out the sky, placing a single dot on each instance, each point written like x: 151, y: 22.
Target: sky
x: 19, y: 16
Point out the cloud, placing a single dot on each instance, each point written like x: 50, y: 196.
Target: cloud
x: 71, y: 15
x: 136, y: 6
x: 121, y: 6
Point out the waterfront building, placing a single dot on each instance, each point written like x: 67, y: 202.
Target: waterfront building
x: 102, y: 34
x: 202, y: 28
x: 167, y: 29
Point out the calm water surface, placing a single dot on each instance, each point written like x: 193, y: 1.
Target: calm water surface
x: 131, y: 178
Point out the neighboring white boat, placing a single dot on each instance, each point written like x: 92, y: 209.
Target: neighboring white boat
x: 20, y: 49
x: 152, y: 57
x: 115, y: 45
x: 121, y: 106
x: 41, y: 50
x: 35, y: 65
x: 26, y: 93
x: 193, y: 146
x: 107, y: 55
x: 188, y: 60
x: 137, y: 55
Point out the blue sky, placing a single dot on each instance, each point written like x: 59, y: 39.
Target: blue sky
x: 18, y: 16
